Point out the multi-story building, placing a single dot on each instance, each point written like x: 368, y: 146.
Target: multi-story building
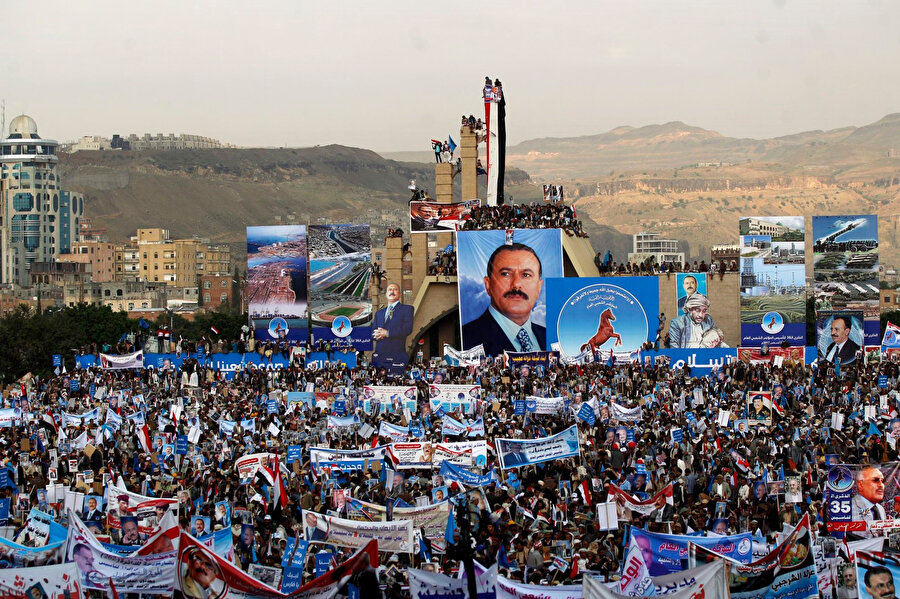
x: 153, y: 257
x: 90, y: 142
x: 125, y: 296
x: 757, y: 226
x: 101, y: 255
x: 38, y: 220
x: 216, y: 290
x: 170, y: 142
x: 646, y: 245
x: 60, y: 273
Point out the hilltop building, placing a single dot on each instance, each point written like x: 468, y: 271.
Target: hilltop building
x: 757, y: 226
x: 38, y: 219
x: 648, y: 245
x: 132, y: 141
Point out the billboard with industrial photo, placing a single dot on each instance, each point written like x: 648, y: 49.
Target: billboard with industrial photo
x: 845, y: 267
x: 773, y: 280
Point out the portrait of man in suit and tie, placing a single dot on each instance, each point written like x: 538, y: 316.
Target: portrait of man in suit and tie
x: 92, y: 510
x: 869, y: 495
x: 687, y: 285
x: 392, y: 325
x: 513, y: 281
x: 842, y: 347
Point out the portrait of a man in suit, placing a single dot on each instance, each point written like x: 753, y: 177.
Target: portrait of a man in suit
x: 690, y: 287
x: 842, y: 347
x: 392, y: 325
x: 91, y: 510
x: 513, y: 281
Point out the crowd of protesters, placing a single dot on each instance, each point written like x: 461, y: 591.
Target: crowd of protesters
x: 712, y: 466
x: 524, y: 216
x: 650, y: 266
x: 443, y: 264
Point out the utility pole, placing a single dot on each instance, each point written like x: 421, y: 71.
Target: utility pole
x: 465, y: 550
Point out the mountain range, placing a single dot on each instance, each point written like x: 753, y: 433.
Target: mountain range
x: 682, y: 181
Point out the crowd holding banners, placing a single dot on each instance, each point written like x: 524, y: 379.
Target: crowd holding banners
x: 540, y: 504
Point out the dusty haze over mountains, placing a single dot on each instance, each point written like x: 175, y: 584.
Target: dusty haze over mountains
x: 722, y: 80
x: 624, y: 181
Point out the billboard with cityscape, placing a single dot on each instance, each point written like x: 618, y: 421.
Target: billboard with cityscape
x: 773, y: 280
x: 340, y: 266
x: 276, y: 282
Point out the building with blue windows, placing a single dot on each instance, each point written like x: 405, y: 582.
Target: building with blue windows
x: 38, y: 220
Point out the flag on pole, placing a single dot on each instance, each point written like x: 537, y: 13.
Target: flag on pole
x: 143, y: 435
x: 585, y: 492
x: 214, y: 330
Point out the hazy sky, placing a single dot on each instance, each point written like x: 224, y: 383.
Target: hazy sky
x: 390, y: 75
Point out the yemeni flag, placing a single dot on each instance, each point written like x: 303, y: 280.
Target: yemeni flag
x: 143, y: 435
x: 214, y: 330
x: 585, y: 492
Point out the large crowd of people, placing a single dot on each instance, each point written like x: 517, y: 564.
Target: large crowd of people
x: 526, y: 216
x: 523, y: 518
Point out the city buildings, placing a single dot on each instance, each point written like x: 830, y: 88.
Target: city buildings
x: 153, y: 257
x: 38, y: 219
x: 146, y: 141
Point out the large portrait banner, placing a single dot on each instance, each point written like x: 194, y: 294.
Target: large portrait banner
x: 862, y: 498
x: 502, y: 291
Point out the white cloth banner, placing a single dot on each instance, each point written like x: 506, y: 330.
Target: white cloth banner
x: 622, y: 413
x: 342, y: 421
x: 10, y: 417
x: 350, y: 458
x: 151, y: 574
x: 247, y: 466
x: 453, y: 395
x: 546, y: 405
x: 514, y: 453
x: 54, y: 582
x: 468, y: 357
x: 509, y: 589
x: 390, y: 395
x: 395, y: 432
x: 707, y: 581
x: 140, y: 506
x: 452, y: 427
x: 114, y: 362
x: 430, y: 585
x: 395, y: 536
x: 640, y: 507
x: 409, y: 456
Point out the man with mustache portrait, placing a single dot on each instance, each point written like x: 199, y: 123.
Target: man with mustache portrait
x: 513, y: 282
